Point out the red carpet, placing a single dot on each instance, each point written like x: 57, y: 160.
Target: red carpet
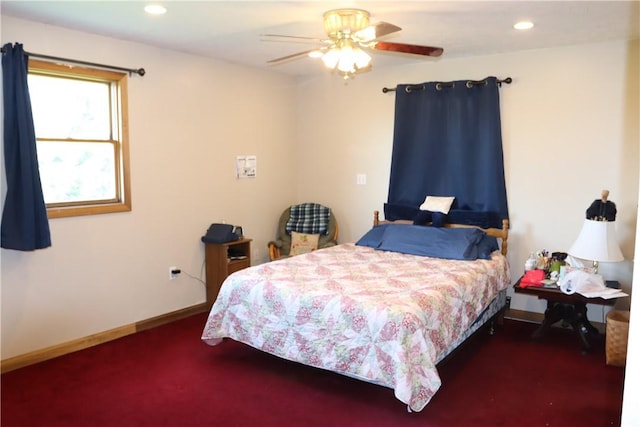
x: 167, y: 377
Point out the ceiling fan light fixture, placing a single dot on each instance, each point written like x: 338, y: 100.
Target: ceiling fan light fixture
x: 348, y: 33
x: 346, y: 57
x: 361, y: 58
x: 347, y: 61
x: 345, y: 21
x: 331, y: 58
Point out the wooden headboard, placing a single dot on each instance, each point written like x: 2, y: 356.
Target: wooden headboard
x: 499, y: 233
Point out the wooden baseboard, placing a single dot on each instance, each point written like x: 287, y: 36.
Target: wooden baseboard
x: 41, y: 355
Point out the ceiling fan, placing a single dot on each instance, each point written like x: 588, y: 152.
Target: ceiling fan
x: 348, y: 31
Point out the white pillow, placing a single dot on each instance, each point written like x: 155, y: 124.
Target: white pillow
x: 302, y: 243
x: 437, y: 204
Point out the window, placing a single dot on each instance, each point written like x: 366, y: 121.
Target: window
x: 80, y: 119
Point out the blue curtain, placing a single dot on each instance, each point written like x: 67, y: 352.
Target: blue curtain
x: 447, y: 142
x: 25, y: 225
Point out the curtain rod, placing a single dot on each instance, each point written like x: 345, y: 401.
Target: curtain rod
x: 440, y: 85
x: 139, y: 71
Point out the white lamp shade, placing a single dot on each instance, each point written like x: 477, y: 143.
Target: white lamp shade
x: 331, y: 58
x: 597, y: 242
x: 347, y: 58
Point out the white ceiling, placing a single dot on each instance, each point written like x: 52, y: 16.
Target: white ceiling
x: 230, y: 30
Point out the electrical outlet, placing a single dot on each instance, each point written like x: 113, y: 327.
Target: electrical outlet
x: 173, y: 272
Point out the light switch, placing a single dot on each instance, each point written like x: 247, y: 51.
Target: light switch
x: 361, y: 179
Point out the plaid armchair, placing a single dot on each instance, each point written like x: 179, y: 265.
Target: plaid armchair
x: 304, y: 218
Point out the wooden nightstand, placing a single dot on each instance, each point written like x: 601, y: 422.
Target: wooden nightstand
x: 221, y: 260
x: 570, y: 309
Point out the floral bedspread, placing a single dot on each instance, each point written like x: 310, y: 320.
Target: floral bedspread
x: 382, y: 317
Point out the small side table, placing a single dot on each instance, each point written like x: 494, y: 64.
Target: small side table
x: 222, y: 259
x: 570, y: 309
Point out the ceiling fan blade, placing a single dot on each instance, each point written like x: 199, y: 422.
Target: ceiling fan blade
x: 407, y: 48
x: 289, y: 57
x: 376, y: 31
x: 300, y: 38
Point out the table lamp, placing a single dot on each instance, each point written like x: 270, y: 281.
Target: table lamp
x: 597, y: 242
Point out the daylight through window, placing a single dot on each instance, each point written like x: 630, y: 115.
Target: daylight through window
x: 80, y: 119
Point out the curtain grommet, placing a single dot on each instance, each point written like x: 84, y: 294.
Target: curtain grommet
x: 471, y: 83
x: 440, y: 85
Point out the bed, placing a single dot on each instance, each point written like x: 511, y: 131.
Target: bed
x: 367, y: 310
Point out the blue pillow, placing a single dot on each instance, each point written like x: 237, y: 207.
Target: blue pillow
x: 486, y: 246
x: 422, y: 217
x: 437, y: 219
x: 457, y: 215
x: 449, y: 243
x: 373, y: 237
x: 477, y: 218
x: 393, y: 212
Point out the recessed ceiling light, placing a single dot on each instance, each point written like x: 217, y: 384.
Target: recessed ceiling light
x: 155, y: 9
x: 523, y: 25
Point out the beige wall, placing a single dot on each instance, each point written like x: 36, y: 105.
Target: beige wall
x: 189, y: 118
x: 569, y: 130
